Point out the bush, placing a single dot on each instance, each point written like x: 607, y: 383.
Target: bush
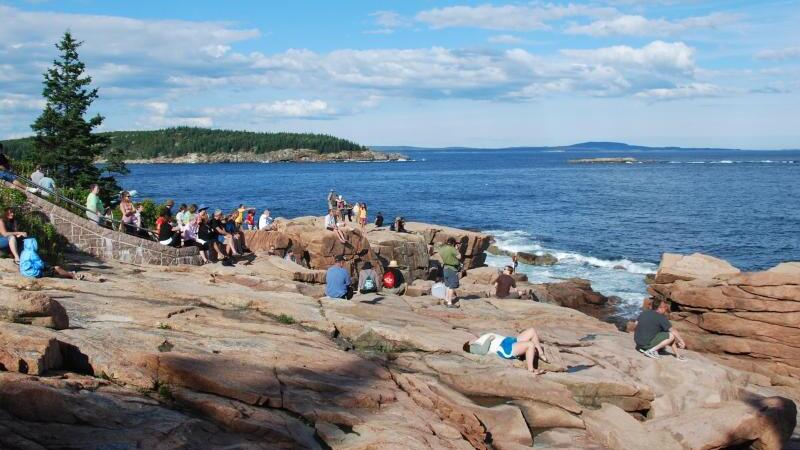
x: 286, y: 319
x: 51, y: 244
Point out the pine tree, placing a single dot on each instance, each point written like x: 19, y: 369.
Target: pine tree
x: 64, y: 142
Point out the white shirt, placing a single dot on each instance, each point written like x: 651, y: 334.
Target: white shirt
x: 264, y: 222
x: 330, y: 221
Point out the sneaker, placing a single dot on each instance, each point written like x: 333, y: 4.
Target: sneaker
x: 651, y: 354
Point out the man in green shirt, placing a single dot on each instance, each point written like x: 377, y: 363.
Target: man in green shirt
x: 451, y: 266
x: 94, y: 206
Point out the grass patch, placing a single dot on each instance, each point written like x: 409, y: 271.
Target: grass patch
x: 164, y: 391
x: 286, y: 319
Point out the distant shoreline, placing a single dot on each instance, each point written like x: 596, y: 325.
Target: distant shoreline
x: 280, y: 156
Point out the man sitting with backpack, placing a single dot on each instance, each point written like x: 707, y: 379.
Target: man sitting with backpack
x: 393, y: 282
x: 368, y: 280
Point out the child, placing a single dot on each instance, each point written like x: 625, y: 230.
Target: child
x: 32, y: 266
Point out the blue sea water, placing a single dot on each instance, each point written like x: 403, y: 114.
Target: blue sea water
x: 607, y: 223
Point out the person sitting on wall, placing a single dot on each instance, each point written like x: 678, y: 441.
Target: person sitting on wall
x: 337, y: 281
x: 6, y: 174
x: 525, y: 346
x: 654, y: 332
x: 168, y: 231
x: 393, y: 280
x: 10, y: 237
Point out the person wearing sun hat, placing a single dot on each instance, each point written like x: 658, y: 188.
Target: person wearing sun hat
x: 393, y: 281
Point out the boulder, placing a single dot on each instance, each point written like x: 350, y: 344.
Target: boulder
x: 28, y: 350
x: 472, y: 245
x: 575, y: 293
x: 33, y: 308
x: 409, y: 250
x: 532, y: 259
x: 675, y: 267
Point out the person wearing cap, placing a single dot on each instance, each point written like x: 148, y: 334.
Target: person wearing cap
x: 337, y: 280
x: 393, y: 281
x: 451, y: 266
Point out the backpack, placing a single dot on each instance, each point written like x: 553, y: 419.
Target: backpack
x: 369, y: 284
x: 389, y: 280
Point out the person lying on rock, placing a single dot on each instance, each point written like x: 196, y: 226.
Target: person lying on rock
x: 526, y: 346
x: 654, y: 332
x: 337, y: 280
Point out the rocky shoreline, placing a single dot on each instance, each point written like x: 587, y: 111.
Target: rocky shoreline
x: 255, y: 357
x: 286, y: 155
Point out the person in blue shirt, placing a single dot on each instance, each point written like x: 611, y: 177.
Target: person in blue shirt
x: 6, y: 174
x: 337, y: 280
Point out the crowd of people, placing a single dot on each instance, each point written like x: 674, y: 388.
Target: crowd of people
x: 220, y: 236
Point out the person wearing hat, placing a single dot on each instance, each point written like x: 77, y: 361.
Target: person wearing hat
x: 368, y: 280
x: 393, y: 281
x: 337, y: 280
x: 451, y: 266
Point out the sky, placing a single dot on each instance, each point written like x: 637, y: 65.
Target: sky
x: 723, y: 73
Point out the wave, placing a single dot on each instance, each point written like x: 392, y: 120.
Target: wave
x: 521, y: 241
x: 728, y: 161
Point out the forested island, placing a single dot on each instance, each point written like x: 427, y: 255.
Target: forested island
x: 198, y: 145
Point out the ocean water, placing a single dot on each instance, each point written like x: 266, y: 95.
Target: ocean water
x: 607, y: 223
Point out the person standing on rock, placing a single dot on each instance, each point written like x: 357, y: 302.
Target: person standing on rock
x: 332, y: 199
x: 654, y: 332
x: 337, y: 280
x: 362, y: 216
x: 451, y: 266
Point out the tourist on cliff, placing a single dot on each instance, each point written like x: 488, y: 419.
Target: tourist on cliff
x: 399, y: 225
x: 207, y: 237
x: 525, y: 345
x: 10, y: 237
x: 332, y: 199
x: 46, y: 184
x: 393, y: 281
x: 451, y: 266
x: 168, y: 233
x: 189, y: 215
x: 504, y: 285
x: 191, y: 238
x: 362, y: 216
x: 250, y: 220
x: 179, y: 215
x: 337, y: 280
x: 236, y: 234
x: 94, y: 206
x: 654, y: 332
x: 290, y: 256
x: 379, y: 219
x: 128, y: 213
x: 37, y: 174
x: 169, y: 205
x: 331, y: 224
x: 6, y: 174
x: 265, y: 222
x: 218, y: 225
x: 368, y: 280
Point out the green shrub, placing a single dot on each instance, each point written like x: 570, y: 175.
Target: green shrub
x: 286, y: 319
x: 51, y: 244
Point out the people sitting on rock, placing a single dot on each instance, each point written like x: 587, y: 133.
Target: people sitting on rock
x: 331, y: 224
x: 379, y: 220
x: 451, y: 267
x: 235, y: 233
x: 504, y: 285
x: 207, y: 237
x: 399, y: 225
x: 10, y: 236
x: 393, y: 281
x: 337, y: 280
x: 654, y: 332
x: 368, y: 279
x: 218, y: 224
x: 32, y: 266
x: 265, y: 221
x: 525, y: 346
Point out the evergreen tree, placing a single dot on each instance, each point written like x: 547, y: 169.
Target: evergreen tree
x: 64, y: 142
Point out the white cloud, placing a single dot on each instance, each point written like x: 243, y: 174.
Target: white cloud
x: 505, y: 17
x: 657, y: 55
x: 779, y: 54
x: 15, y: 103
x: 280, y: 108
x: 387, y: 22
x: 160, y: 115
x: 504, y: 39
x: 688, y: 91
x: 635, y: 25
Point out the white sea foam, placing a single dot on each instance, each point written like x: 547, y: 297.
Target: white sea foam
x: 621, y: 277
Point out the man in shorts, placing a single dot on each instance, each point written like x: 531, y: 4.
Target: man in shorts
x: 654, y: 332
x: 451, y: 266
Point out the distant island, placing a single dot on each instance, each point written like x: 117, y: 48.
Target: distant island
x: 623, y: 160
x: 202, y: 145
x: 598, y: 146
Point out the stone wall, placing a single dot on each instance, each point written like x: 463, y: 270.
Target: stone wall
x: 88, y: 237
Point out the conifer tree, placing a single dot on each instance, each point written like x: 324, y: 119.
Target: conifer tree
x: 64, y: 142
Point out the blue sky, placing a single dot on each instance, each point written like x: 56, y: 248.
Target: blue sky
x: 426, y: 73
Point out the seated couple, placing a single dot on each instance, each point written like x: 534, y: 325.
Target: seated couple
x: 654, y: 332
x: 525, y: 346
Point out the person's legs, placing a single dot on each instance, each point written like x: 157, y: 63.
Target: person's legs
x: 530, y: 335
x: 341, y: 236
x: 658, y: 342
x: 669, y: 340
x: 529, y: 350
x: 61, y: 273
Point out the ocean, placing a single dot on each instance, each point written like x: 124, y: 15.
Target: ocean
x: 607, y: 223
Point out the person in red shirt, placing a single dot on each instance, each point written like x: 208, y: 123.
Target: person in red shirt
x: 393, y: 282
